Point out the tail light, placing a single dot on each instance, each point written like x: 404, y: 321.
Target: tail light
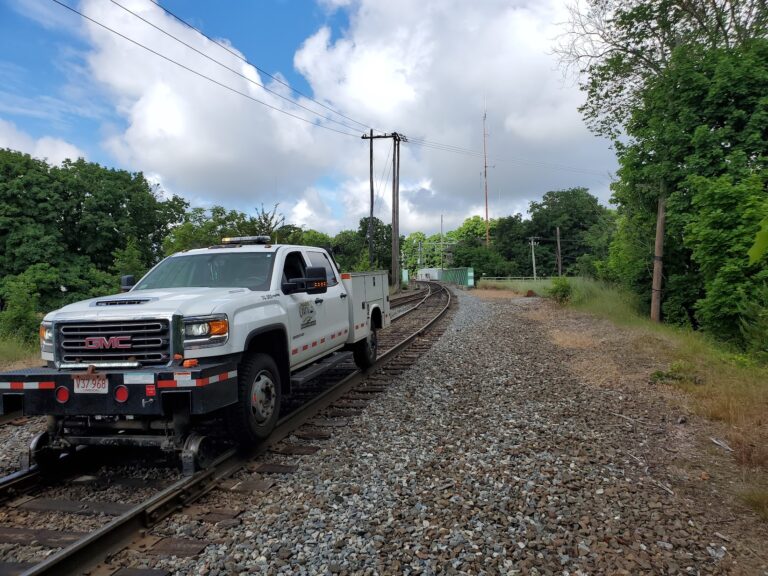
x: 121, y: 394
x: 62, y: 395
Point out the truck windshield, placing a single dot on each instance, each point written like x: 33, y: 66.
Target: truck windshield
x: 251, y: 270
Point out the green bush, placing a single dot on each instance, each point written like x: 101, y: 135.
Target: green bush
x: 560, y: 291
x: 754, y: 325
x: 19, y: 319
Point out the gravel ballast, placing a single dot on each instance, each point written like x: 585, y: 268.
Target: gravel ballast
x: 488, y: 456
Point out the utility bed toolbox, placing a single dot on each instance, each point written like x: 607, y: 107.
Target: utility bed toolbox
x: 366, y: 290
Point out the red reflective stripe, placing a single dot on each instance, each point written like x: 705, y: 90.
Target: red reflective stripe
x: 224, y: 376
x: 166, y: 383
x: 314, y: 343
x: 47, y: 385
x: 202, y: 381
x: 305, y: 347
x: 17, y: 385
x: 346, y: 276
x: 295, y: 351
x: 322, y: 340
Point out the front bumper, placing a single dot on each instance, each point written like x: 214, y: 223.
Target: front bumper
x: 208, y: 386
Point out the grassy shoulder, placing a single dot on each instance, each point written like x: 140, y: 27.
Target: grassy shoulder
x: 14, y: 352
x: 723, y: 384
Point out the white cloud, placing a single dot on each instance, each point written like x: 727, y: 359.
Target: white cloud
x: 54, y: 150
x: 426, y: 69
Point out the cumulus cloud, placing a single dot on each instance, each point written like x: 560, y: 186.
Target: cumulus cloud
x: 53, y: 150
x: 426, y: 69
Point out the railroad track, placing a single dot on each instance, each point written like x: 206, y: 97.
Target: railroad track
x: 121, y: 522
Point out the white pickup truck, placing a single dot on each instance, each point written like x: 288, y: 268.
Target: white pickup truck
x: 223, y: 331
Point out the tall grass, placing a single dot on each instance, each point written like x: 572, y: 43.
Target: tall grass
x: 13, y: 350
x: 724, y: 384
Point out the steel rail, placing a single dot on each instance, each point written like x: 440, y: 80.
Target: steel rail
x: 10, y: 417
x: 412, y: 308
x: 87, y: 553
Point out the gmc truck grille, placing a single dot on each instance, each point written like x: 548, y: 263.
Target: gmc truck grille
x: 144, y: 341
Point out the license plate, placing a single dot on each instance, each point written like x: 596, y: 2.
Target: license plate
x: 90, y: 383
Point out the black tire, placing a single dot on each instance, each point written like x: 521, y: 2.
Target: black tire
x: 366, y: 350
x: 255, y: 414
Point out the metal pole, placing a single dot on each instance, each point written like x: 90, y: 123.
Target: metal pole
x: 533, y: 256
x: 441, y: 242
x: 370, y: 218
x: 559, y: 255
x: 485, y: 180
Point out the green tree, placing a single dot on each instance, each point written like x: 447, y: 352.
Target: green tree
x: 575, y: 211
x: 315, y: 238
x: 19, y: 318
x: 705, y: 117
x: 128, y: 260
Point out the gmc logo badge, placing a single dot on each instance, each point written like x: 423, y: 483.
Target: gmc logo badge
x: 101, y: 342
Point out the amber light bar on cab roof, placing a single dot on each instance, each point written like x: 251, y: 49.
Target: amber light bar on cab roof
x: 246, y: 240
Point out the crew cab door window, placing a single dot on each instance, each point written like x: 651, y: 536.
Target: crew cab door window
x: 336, y: 305
x: 306, y: 317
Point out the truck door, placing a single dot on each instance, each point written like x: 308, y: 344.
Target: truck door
x: 306, y: 318
x: 334, y: 302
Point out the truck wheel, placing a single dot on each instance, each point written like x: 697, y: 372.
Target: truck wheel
x: 254, y: 415
x: 365, y: 350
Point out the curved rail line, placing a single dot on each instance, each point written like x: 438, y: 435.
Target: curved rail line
x: 110, y: 538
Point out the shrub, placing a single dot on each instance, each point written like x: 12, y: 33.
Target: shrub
x: 560, y: 291
x: 754, y: 325
x: 19, y: 319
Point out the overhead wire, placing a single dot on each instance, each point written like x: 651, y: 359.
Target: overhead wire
x: 421, y: 142
x: 200, y: 74
x: 261, y: 70
x: 236, y: 72
x: 477, y: 154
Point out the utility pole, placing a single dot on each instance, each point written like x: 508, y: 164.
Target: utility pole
x: 533, y: 254
x: 370, y: 218
x: 396, y: 138
x: 396, y: 211
x: 442, y: 248
x: 485, y: 180
x: 559, y: 255
x: 658, y: 254
x: 419, y: 258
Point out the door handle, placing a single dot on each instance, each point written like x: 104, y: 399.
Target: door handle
x: 343, y: 295
x: 318, y: 300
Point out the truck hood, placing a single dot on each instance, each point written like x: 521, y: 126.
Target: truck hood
x: 151, y: 303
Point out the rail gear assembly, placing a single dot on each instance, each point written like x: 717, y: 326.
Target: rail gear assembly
x: 222, y: 331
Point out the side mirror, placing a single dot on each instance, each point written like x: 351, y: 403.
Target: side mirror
x: 289, y: 287
x: 127, y: 282
x: 316, y: 280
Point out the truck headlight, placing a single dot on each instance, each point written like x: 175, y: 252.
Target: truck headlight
x: 205, y: 331
x: 46, y: 337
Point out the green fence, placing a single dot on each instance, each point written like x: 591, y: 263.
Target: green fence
x: 459, y: 276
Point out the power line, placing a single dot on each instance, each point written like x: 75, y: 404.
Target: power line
x: 520, y: 161
x: 200, y: 74
x: 261, y: 70
x: 236, y: 72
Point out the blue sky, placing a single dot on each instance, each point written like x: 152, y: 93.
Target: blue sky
x: 427, y: 69
x: 38, y: 54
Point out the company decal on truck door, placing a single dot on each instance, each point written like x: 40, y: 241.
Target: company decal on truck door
x: 307, y: 315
